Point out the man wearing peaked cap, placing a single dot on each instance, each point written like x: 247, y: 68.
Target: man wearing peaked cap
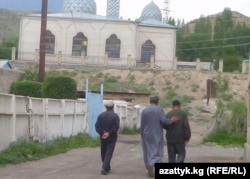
x: 109, y: 104
x: 107, y: 126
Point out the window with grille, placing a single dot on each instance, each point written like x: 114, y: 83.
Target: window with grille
x: 147, y: 50
x: 50, y: 43
x: 80, y: 44
x: 113, y: 45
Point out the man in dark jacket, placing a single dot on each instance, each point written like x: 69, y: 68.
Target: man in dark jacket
x: 177, y: 134
x: 107, y: 126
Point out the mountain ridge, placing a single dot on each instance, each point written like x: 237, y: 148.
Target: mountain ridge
x: 10, y: 18
x: 31, y: 5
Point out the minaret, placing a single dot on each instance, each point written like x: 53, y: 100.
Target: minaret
x: 113, y: 9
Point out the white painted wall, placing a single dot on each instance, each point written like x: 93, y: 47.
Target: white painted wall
x: 27, y: 118
x: 131, y: 34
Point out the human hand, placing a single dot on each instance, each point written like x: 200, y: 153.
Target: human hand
x: 175, y: 119
x: 105, y: 135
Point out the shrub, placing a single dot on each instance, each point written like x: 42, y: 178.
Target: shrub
x: 31, y: 73
x: 59, y: 87
x: 26, y: 88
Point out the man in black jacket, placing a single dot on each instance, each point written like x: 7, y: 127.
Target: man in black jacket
x: 177, y: 134
x: 107, y: 126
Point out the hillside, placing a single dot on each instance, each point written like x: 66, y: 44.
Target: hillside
x: 188, y: 86
x: 31, y: 5
x: 190, y: 83
x: 185, y: 85
x: 9, y: 23
x: 237, y: 18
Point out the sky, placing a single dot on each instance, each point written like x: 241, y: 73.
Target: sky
x: 179, y: 9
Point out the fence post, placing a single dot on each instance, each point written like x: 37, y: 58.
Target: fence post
x: 37, y: 55
x: 106, y: 57
x: 175, y: 64
x: 13, y: 55
x: 13, y: 121
x: 197, y: 64
x: 60, y: 57
x: 62, y: 115
x: 221, y: 65
x: 45, y: 119
x: 129, y: 60
x: 247, y: 144
x: 152, y: 61
x: 83, y: 57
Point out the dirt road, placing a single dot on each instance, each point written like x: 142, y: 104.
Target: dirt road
x: 127, y: 161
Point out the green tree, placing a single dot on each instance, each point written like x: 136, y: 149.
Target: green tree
x: 226, y: 39
x: 6, y: 47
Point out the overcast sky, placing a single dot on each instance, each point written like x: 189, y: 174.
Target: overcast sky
x: 179, y: 9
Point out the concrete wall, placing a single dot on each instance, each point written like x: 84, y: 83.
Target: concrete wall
x: 7, y: 76
x: 27, y: 118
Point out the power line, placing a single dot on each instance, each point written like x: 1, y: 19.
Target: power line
x: 211, y: 40
x: 222, y: 46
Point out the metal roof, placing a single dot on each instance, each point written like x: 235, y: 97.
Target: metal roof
x: 87, y: 16
x: 6, y: 64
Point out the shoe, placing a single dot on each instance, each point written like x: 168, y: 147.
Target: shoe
x: 103, y: 172
x: 151, y: 171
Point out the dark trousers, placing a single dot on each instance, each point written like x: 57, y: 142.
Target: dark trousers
x: 107, y: 150
x: 176, y: 152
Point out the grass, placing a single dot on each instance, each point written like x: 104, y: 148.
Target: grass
x: 23, y: 151
x: 225, y: 138
x: 128, y: 131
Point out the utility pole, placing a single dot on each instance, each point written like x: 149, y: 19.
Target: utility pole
x: 247, y: 145
x: 248, y: 113
x: 166, y: 10
x: 43, y: 40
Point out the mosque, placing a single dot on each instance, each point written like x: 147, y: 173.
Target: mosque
x: 79, y: 35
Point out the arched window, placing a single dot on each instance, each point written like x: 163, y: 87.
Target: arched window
x: 147, y: 50
x: 113, y: 45
x: 80, y: 44
x: 50, y: 43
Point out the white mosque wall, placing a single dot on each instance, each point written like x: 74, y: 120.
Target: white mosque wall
x: 164, y: 41
x: 131, y: 35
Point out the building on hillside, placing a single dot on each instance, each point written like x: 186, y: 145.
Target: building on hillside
x: 80, y: 36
